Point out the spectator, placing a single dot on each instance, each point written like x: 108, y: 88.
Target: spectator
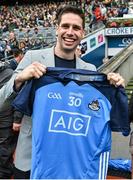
x: 23, y: 45
x: 12, y: 43
x: 8, y: 128
x: 130, y: 10
x: 2, y: 49
x: 43, y: 15
x: 18, y: 56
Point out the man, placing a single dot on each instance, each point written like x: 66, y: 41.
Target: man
x: 6, y: 132
x: 12, y: 43
x: 10, y: 120
x: 6, y: 73
x: 8, y: 137
x: 17, y: 57
x: 13, y: 63
x: 70, y: 31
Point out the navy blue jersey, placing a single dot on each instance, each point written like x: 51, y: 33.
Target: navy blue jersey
x: 73, y: 112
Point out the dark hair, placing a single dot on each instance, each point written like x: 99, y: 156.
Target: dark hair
x: 69, y: 9
x: 16, y: 52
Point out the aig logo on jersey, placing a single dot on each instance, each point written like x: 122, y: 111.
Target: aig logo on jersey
x: 53, y: 95
x: 72, y: 123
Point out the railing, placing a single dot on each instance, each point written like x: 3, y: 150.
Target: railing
x: 121, y: 63
x: 113, y: 63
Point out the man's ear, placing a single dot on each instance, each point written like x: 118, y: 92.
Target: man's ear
x: 56, y: 33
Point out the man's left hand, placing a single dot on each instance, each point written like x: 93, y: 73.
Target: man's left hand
x: 16, y: 126
x: 116, y: 79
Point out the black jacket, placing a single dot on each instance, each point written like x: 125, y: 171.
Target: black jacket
x: 7, y: 113
x: 131, y: 108
x: 5, y: 74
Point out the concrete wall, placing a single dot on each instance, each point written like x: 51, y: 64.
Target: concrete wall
x: 120, y: 146
x: 126, y: 69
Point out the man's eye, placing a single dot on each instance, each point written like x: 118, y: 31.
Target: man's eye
x: 65, y: 26
x: 76, y: 28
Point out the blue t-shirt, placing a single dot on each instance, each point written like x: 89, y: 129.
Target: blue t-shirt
x: 73, y: 112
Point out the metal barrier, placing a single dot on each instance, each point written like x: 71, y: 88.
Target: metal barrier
x: 121, y: 63
x: 7, y: 58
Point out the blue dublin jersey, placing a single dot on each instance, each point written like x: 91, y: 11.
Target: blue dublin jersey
x: 73, y: 113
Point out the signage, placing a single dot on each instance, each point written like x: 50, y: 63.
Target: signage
x: 122, y: 31
x: 94, y: 46
x: 119, y: 42
x: 100, y: 38
x: 116, y: 44
x: 93, y: 42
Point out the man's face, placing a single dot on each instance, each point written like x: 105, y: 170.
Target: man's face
x: 11, y: 36
x: 69, y: 32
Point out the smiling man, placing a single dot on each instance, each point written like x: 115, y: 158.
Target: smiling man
x: 70, y: 31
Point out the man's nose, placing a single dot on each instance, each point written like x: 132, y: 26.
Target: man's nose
x: 70, y: 30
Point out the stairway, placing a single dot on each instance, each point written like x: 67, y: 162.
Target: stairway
x: 129, y: 88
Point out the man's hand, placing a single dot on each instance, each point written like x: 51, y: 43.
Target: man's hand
x: 16, y: 126
x: 116, y: 79
x: 34, y: 70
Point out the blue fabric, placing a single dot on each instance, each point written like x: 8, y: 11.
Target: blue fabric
x: 13, y: 64
x: 120, y: 164
x: 73, y: 112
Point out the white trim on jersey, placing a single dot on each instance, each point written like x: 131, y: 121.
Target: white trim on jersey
x: 103, y: 165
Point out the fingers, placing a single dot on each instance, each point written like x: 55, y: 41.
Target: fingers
x: 37, y: 70
x: 34, y: 70
x: 116, y: 79
x: 16, y: 126
x: 121, y: 82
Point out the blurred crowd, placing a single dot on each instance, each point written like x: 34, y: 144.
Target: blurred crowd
x: 32, y: 26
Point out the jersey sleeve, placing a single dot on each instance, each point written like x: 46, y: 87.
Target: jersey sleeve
x: 24, y: 100
x: 119, y: 113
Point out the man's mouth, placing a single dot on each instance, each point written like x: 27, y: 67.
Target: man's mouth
x: 69, y: 40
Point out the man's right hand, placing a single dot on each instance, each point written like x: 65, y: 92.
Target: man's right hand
x: 34, y: 70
